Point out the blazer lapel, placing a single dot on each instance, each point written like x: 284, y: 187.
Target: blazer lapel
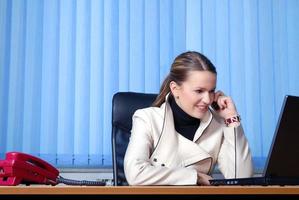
x: 191, y: 152
x: 204, y: 123
x: 166, y: 148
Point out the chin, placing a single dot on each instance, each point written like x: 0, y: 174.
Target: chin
x: 199, y: 115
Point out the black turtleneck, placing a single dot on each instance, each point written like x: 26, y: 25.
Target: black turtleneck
x: 184, y: 124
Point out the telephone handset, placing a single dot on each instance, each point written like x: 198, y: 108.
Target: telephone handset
x: 215, y: 106
x: 19, y: 168
x: 24, y: 168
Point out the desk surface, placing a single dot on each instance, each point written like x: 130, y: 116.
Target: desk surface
x: 150, y: 190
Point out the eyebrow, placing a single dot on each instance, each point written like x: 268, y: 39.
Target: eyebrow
x: 200, y: 88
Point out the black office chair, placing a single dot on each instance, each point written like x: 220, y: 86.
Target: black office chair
x: 124, y: 104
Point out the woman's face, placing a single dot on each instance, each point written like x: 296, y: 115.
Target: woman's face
x: 196, y: 93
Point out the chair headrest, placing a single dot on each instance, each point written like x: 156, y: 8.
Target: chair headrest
x: 124, y: 104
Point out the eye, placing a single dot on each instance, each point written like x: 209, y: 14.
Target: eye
x: 212, y: 91
x: 198, y: 91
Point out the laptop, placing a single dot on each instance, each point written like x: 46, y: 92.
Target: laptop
x: 282, y: 164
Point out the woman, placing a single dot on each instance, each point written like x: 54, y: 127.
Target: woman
x: 180, y: 139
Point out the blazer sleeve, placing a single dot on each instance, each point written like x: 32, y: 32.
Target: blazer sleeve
x: 137, y: 165
x: 234, y: 159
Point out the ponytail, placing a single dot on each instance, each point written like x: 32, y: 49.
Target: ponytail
x: 164, y: 90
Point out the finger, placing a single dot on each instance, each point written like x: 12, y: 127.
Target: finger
x: 218, y: 94
x: 222, y: 102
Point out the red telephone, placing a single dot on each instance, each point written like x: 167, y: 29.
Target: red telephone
x: 24, y: 168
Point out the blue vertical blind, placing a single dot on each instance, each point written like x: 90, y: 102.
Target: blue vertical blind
x: 62, y: 61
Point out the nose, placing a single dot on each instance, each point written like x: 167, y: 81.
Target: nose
x: 206, y: 98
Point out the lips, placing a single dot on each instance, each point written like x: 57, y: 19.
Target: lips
x: 202, y: 108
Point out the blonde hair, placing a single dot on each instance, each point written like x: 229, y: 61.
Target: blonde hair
x: 181, y: 66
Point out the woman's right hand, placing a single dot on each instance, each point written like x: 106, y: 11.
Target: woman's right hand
x: 203, y: 179
x: 227, y: 108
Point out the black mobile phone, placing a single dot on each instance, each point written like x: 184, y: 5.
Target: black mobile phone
x: 215, y: 105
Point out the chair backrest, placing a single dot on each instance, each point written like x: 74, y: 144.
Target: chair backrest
x: 124, y: 104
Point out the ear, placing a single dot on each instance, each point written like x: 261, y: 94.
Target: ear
x: 174, y: 88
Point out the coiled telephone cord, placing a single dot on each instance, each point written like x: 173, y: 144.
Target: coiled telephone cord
x: 82, y: 182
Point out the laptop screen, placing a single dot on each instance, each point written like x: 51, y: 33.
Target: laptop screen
x: 283, y: 157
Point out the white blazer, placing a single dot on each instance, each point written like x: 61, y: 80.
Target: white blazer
x: 158, y: 155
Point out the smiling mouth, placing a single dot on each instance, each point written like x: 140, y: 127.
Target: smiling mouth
x: 202, y: 108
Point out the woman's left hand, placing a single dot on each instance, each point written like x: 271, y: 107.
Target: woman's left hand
x: 203, y: 179
x: 226, y: 105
